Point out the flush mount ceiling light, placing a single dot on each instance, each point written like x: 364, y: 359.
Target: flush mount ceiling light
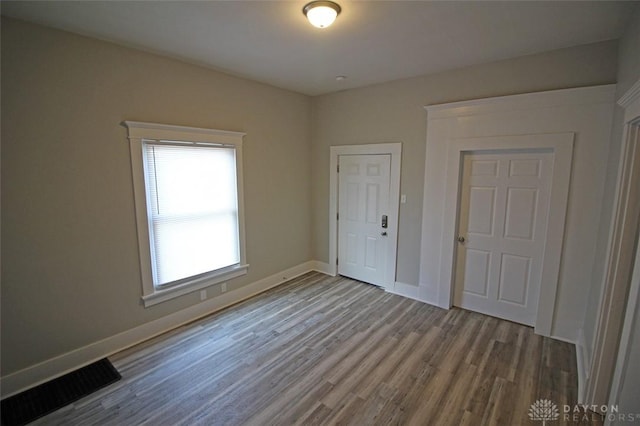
x: 321, y: 14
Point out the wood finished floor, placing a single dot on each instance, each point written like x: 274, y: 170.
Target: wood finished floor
x: 329, y: 350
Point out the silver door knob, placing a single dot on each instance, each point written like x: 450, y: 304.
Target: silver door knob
x: 383, y: 233
x: 461, y: 239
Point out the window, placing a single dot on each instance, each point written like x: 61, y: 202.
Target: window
x: 188, y: 197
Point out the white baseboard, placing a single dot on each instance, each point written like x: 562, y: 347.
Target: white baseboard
x: 413, y: 292
x: 405, y: 290
x: 582, y: 361
x: 322, y: 267
x: 34, y: 375
x: 429, y: 294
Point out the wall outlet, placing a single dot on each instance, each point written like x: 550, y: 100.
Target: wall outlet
x: 203, y: 294
x: 223, y: 287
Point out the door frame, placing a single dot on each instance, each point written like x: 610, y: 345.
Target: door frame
x: 561, y: 146
x: 393, y: 149
x: 629, y: 331
x: 602, y: 371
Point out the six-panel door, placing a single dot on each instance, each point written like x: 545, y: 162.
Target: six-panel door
x: 363, y: 187
x: 504, y: 206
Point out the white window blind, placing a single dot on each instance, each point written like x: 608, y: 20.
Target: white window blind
x: 192, y: 208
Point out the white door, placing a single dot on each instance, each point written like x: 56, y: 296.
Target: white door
x: 363, y: 205
x: 504, y: 206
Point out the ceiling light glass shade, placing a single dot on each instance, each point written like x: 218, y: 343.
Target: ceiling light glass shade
x: 321, y: 14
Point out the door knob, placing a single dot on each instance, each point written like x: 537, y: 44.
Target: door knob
x: 461, y: 239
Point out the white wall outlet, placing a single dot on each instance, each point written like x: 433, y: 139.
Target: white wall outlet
x: 203, y: 294
x: 223, y: 287
x: 403, y: 198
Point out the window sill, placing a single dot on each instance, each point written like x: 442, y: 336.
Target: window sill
x: 162, y: 295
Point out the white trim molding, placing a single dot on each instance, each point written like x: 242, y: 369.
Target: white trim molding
x: 395, y: 150
x: 629, y: 332
x: 140, y: 133
x: 29, y: 377
x: 624, y: 226
x: 561, y: 145
x: 141, y: 130
x: 554, y: 118
x: 526, y: 101
x: 323, y: 267
x: 404, y: 289
x: 630, y: 96
x: 582, y: 362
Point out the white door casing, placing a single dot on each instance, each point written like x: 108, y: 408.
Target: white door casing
x: 504, y: 203
x: 561, y: 145
x: 618, y: 287
x: 619, y: 268
x: 625, y: 383
x: 572, y: 234
x: 363, y: 202
x: 393, y: 149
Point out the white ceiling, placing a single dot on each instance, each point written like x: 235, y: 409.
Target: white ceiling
x: 370, y: 42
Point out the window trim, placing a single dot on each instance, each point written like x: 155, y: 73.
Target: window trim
x: 138, y: 132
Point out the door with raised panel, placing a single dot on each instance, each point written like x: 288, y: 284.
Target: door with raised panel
x: 504, y: 207
x: 363, y: 209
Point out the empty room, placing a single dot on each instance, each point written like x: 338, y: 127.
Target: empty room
x: 326, y: 212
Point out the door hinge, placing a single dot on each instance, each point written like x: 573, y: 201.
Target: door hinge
x: 337, y: 216
x: 338, y: 168
x: 337, y: 261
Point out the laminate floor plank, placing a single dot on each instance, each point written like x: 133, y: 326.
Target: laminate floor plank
x: 322, y: 350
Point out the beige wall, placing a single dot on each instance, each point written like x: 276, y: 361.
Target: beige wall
x: 393, y: 112
x: 70, y: 272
